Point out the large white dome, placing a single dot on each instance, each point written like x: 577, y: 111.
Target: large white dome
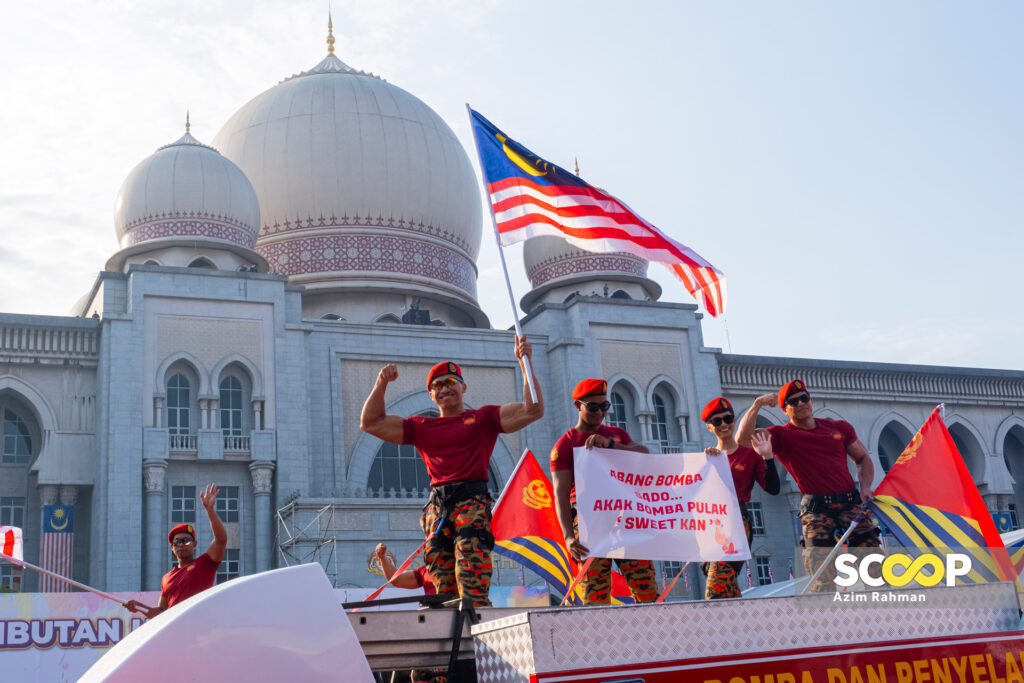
x: 360, y: 185
x: 186, y: 190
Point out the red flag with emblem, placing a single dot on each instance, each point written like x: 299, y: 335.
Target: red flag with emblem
x: 526, y: 530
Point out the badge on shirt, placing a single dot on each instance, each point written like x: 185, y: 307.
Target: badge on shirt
x: 554, y: 454
x: 837, y: 435
x: 469, y: 420
x: 739, y: 466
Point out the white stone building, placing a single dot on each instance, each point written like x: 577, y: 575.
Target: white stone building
x: 333, y: 226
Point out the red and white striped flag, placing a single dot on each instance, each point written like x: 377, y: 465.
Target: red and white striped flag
x: 56, y: 547
x: 531, y: 197
x: 11, y: 542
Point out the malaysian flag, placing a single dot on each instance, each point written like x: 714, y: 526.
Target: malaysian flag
x: 531, y: 197
x: 56, y: 546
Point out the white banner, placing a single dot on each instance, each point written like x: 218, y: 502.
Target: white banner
x: 665, y: 506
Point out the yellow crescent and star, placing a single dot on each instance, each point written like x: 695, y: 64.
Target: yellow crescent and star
x: 59, y: 514
x: 517, y: 159
x: 536, y: 495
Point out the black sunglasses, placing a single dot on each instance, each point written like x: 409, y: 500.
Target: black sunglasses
x: 594, y: 407
x: 182, y: 541
x: 719, y: 421
x: 802, y: 398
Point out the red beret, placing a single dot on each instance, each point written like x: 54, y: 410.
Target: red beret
x: 589, y: 387
x: 790, y: 388
x: 445, y: 368
x: 181, y: 529
x: 717, y: 405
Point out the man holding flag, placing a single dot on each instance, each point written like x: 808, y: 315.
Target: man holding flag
x: 456, y: 447
x: 591, y: 400
x: 814, y: 451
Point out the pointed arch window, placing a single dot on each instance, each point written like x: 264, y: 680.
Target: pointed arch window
x: 179, y: 395
x: 17, y: 440
x: 618, y: 417
x: 231, y: 406
x: 659, y: 425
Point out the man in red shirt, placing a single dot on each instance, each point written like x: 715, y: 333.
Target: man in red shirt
x: 456, y: 448
x: 410, y: 578
x: 591, y: 400
x: 747, y: 466
x: 814, y: 451
x: 193, y: 574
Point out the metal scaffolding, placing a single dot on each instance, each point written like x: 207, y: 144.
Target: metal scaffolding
x: 306, y: 535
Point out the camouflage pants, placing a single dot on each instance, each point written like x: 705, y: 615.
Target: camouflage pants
x: 822, y: 528
x: 597, y: 583
x: 459, y: 555
x: 723, y: 577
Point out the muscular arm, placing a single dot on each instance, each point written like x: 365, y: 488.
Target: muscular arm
x: 598, y: 441
x: 406, y: 579
x: 563, y: 480
x: 745, y: 432
x: 515, y: 416
x: 146, y: 610
x: 865, y: 469
x: 374, y: 419
x: 220, y: 535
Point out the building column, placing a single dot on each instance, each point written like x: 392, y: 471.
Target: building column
x: 683, y: 421
x: 262, y: 472
x: 257, y: 413
x: 154, y: 542
x: 158, y: 410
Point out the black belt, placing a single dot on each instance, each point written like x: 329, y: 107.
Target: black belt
x: 813, y: 500
x: 446, y: 494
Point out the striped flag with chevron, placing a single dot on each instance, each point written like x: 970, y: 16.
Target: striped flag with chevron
x: 526, y: 530
x: 929, y: 500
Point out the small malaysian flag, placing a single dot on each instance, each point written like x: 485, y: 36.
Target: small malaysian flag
x: 11, y: 542
x: 56, y: 547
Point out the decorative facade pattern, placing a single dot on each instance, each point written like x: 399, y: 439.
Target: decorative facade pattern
x: 333, y: 222
x: 564, y: 266
x: 190, y: 224
x: 752, y: 375
x: 340, y: 253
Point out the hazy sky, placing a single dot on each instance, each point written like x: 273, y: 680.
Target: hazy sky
x: 856, y: 170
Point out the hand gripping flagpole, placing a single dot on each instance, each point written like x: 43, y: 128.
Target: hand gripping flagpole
x: 501, y: 255
x: 47, y: 572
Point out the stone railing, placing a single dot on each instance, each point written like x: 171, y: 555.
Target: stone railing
x: 182, y: 442
x: 237, y: 444
x: 755, y: 375
x: 45, y: 339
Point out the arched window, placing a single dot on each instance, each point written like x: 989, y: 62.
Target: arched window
x: 202, y: 263
x: 17, y: 440
x: 617, y: 415
x: 659, y: 424
x: 178, y: 402
x: 231, y: 406
x: 620, y: 294
x: 331, y: 317
x: 891, y: 443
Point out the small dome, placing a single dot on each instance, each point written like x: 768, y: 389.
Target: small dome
x: 551, y: 263
x: 186, y: 190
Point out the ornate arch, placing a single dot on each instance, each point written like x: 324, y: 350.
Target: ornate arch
x: 44, y: 413
x: 634, y: 386
x: 678, y: 395
x: 255, y: 376
x: 829, y: 414
x: 1003, y: 430
x: 883, y: 421
x: 193, y: 362
x: 956, y: 420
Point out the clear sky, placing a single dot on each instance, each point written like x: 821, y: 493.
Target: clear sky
x: 855, y: 169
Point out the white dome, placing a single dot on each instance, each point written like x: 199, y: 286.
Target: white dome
x: 552, y: 263
x: 186, y: 190
x: 360, y: 184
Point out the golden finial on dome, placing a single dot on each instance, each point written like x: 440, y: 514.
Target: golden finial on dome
x: 577, y: 160
x: 188, y: 125
x: 330, y: 34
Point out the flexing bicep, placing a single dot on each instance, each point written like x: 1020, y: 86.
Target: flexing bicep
x: 857, y: 451
x: 406, y: 579
x: 515, y: 416
x: 390, y: 428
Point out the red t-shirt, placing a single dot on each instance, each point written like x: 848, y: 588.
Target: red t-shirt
x: 182, y: 583
x: 816, y: 457
x: 424, y: 581
x: 455, y: 448
x: 561, y: 454
x: 747, y: 466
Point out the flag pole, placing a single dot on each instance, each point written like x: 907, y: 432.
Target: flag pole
x: 47, y: 572
x: 836, y: 548
x: 501, y: 256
